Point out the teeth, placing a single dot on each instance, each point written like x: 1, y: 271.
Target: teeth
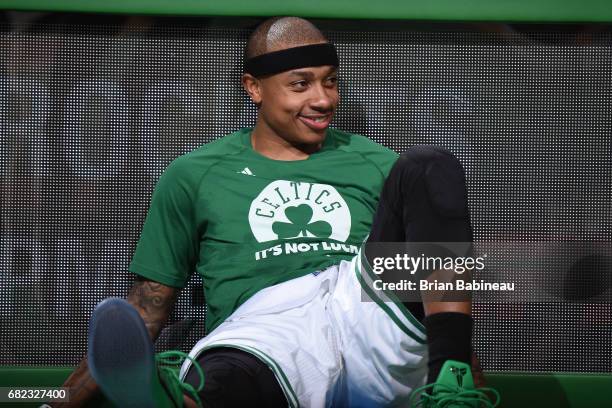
x: 317, y: 119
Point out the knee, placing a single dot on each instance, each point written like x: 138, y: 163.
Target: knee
x: 442, y: 175
x: 427, y: 156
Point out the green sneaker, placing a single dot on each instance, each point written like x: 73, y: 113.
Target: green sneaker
x: 168, y: 365
x: 454, y: 388
x: 122, y: 361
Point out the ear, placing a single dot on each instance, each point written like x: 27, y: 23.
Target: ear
x: 252, y: 86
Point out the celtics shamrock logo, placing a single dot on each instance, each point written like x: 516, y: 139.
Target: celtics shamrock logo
x: 287, y: 209
x: 300, y: 224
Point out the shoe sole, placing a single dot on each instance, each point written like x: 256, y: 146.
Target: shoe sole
x: 121, y: 355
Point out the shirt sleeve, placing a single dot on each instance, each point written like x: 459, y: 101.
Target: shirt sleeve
x: 168, y: 248
x: 384, y: 159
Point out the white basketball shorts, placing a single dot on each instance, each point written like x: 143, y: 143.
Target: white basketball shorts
x: 325, y: 344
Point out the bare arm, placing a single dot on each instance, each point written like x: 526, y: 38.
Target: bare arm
x: 154, y: 303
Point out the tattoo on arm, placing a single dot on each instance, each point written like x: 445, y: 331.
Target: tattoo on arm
x: 154, y: 301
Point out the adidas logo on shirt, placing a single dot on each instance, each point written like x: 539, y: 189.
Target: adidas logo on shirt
x: 246, y: 171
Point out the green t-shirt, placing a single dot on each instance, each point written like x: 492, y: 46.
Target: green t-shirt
x: 246, y: 222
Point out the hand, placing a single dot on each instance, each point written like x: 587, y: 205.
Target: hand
x: 477, y: 374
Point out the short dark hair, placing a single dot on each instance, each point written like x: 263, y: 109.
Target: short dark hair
x: 278, y: 33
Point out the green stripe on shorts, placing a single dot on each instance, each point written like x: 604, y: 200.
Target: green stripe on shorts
x: 419, y: 335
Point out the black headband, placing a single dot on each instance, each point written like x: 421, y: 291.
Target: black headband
x: 291, y: 58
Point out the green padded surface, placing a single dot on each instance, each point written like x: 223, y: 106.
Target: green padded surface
x: 523, y: 390
x: 518, y: 390
x: 441, y: 10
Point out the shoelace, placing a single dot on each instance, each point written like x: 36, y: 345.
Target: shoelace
x: 452, y: 396
x: 167, y: 361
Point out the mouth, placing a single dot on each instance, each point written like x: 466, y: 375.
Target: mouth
x: 316, y: 122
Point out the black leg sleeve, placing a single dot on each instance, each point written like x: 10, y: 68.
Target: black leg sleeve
x: 424, y: 199
x: 236, y: 379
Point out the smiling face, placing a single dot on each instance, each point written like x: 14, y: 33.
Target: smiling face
x: 300, y: 104
x: 295, y: 106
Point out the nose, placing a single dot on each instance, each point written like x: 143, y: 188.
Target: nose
x: 323, y: 99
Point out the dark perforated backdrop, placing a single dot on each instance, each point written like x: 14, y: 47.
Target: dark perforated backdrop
x: 90, y: 114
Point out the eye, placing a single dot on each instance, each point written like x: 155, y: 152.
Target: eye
x: 332, y: 81
x: 300, y: 85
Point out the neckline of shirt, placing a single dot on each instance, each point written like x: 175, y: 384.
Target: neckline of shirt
x: 245, y: 138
